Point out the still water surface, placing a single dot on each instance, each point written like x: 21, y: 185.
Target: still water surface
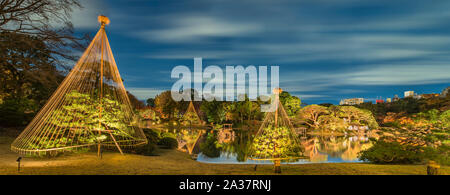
x: 235, y: 143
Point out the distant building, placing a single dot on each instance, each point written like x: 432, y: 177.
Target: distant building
x: 352, y: 101
x: 396, y: 98
x: 409, y: 94
x: 388, y: 100
x: 428, y: 96
x: 357, y: 127
x: 445, y: 92
x: 379, y: 101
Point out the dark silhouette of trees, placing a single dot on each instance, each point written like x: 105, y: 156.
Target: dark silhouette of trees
x: 151, y: 102
x: 48, y: 21
x: 36, y: 45
x: 28, y: 76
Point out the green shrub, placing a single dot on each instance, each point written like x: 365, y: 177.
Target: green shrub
x: 169, y: 142
x: 392, y: 153
x: 152, y: 135
x: 395, y: 124
x: 146, y: 150
x: 13, y: 113
x: 209, y: 147
x: 383, y: 152
x: 439, y: 154
x: 263, y: 145
x: 167, y: 134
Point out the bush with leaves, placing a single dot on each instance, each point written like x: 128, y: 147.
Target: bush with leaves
x: 391, y: 152
x: 81, y: 117
x: 214, y: 111
x: 358, y: 116
x: 13, y: 112
x: 332, y: 123
x: 146, y: 150
x: 169, y: 142
x: 290, y: 103
x: 152, y: 139
x: 83, y: 113
x: 210, y: 147
x: 151, y: 135
x: 275, y: 142
x: 383, y: 152
x: 444, y: 120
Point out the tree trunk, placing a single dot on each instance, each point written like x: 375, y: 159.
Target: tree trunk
x: 432, y: 168
x: 277, y: 166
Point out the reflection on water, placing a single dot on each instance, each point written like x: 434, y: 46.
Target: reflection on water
x: 234, y: 145
x: 334, y: 148
x: 188, y: 140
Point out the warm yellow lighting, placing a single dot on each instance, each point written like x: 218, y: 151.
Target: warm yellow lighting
x: 103, y: 20
x: 277, y: 91
x: 89, y: 108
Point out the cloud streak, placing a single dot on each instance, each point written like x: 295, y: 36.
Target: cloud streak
x: 188, y: 29
x: 325, y: 48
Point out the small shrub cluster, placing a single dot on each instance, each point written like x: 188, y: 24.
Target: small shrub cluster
x: 13, y: 113
x: 168, y: 142
x: 264, y: 144
x: 152, y: 136
x: 385, y: 152
x: 209, y: 147
x: 152, y: 139
x: 146, y: 150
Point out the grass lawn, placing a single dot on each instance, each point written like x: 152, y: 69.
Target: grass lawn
x: 176, y: 162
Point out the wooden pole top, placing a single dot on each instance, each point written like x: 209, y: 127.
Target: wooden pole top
x: 103, y: 20
x: 277, y: 91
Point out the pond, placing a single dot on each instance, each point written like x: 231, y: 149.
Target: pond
x: 234, y: 145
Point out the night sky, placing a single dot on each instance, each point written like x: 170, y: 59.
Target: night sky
x: 326, y: 49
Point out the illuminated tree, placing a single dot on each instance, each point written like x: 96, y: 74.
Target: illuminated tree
x: 275, y: 143
x: 275, y: 140
x: 166, y: 105
x: 332, y: 123
x: 445, y: 119
x: 358, y: 116
x: 188, y: 139
x: 90, y: 108
x: 190, y: 116
x: 290, y: 103
x: 311, y: 114
x: 214, y: 111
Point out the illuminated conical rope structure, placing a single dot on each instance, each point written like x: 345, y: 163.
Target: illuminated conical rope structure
x: 89, y: 109
x: 188, y: 138
x: 276, y: 140
x: 191, y: 117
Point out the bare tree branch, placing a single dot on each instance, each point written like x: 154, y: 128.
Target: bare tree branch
x: 48, y: 20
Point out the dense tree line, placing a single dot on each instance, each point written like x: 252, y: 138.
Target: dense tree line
x: 218, y: 112
x: 315, y: 117
x: 36, y: 44
x: 408, y: 105
x: 411, y: 112
x: 336, y: 118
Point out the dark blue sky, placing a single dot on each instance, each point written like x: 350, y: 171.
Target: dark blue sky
x: 326, y: 49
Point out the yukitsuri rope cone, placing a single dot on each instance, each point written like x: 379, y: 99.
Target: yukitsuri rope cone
x: 191, y: 117
x: 90, y: 108
x: 276, y: 140
x: 188, y: 138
